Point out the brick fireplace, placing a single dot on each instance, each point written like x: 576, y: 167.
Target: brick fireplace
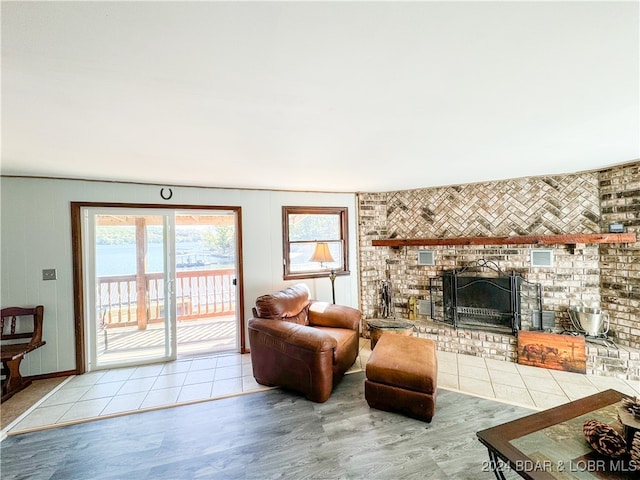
x: 593, y: 275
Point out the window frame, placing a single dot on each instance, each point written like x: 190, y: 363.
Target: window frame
x: 341, y: 212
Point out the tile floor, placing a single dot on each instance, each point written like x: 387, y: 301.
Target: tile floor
x: 532, y: 387
x: 119, y: 391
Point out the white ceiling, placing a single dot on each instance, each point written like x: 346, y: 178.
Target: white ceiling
x: 329, y: 96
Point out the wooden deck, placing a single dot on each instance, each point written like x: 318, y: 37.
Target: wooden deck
x: 205, y: 308
x: 206, y: 335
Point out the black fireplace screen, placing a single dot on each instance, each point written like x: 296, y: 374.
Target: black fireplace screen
x: 471, y: 297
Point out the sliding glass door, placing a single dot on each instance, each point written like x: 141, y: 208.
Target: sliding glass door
x: 158, y: 283
x: 130, y: 278
x: 206, y: 281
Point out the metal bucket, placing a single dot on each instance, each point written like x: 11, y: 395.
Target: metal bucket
x: 590, y: 321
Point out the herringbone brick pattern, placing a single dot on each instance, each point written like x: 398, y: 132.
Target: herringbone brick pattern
x: 530, y: 206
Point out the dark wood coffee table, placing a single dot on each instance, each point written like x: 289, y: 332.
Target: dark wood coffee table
x: 550, y: 444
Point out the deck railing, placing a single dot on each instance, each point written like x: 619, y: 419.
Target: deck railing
x: 199, y: 294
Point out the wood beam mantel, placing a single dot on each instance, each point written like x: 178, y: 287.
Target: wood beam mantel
x: 586, y: 238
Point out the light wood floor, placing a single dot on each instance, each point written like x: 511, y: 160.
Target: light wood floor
x: 267, y: 435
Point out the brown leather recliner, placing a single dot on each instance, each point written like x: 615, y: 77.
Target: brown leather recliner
x: 301, y: 344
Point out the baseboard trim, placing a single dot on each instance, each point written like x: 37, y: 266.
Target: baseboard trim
x: 43, y: 376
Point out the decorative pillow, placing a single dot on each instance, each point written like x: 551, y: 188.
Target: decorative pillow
x: 604, y: 439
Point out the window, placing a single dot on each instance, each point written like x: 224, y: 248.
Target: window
x: 303, y: 229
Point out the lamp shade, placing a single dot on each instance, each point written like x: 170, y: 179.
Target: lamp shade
x: 322, y: 254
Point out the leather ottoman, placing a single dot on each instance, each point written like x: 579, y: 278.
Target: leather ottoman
x: 402, y: 376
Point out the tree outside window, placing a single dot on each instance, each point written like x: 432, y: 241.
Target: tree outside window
x: 304, y: 228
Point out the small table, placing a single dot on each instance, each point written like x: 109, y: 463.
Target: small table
x: 378, y: 326
x: 550, y: 444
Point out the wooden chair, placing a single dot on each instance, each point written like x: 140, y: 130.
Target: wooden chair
x: 18, y: 323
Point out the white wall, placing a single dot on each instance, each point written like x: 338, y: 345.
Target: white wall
x: 36, y: 234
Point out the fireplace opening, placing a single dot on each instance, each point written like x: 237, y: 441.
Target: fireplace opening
x: 483, y: 297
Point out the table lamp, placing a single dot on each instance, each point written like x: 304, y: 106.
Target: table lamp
x: 323, y: 255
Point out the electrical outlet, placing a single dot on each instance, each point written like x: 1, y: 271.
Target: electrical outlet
x: 49, y: 274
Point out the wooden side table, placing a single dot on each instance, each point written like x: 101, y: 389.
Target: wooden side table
x: 378, y: 325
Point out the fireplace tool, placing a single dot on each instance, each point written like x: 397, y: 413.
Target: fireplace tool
x: 386, y: 299
x: 386, y: 295
x: 593, y: 323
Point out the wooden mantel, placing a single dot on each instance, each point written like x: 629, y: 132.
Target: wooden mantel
x: 585, y: 238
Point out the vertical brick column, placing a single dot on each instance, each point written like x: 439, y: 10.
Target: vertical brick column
x: 372, y: 225
x: 620, y: 263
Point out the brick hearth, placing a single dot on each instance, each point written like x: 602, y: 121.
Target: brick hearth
x: 616, y: 361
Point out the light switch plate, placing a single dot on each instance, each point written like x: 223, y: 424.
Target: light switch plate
x: 49, y: 274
